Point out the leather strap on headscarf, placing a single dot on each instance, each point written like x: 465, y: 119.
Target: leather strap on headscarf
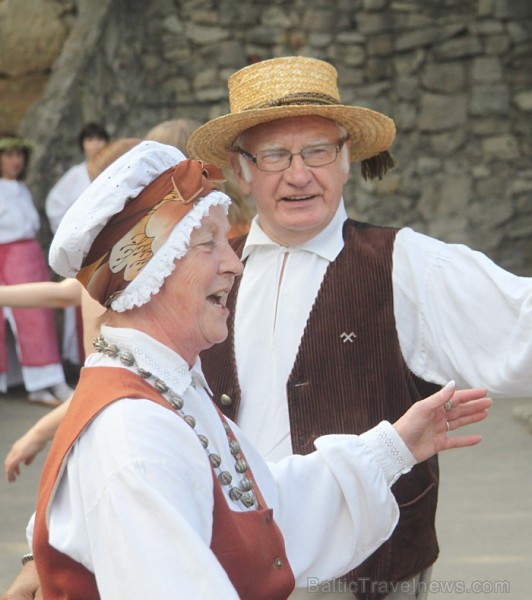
x: 131, y: 237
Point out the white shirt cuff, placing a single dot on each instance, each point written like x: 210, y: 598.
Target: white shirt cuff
x: 391, y: 452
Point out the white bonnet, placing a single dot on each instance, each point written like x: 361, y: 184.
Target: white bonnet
x: 107, y: 195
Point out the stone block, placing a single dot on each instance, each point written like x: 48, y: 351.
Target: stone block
x: 448, y: 142
x: 459, y: 48
x: 372, y: 23
x: 523, y: 101
x: 211, y: 94
x: 319, y: 40
x: 486, y: 69
x: 519, y: 32
x: 523, y: 186
x: 488, y: 126
x: 374, y: 4
x: 415, y: 39
x: 407, y: 88
x: 428, y: 165
x: 350, y: 37
x: 512, y: 9
x: 275, y: 16
x: 450, y: 228
x: 455, y: 194
x: 487, y: 27
x: 490, y: 99
x: 496, y: 44
x: 408, y: 63
x: 354, y: 56
x: 17, y: 96
x: 173, y: 25
x: 439, y: 112
x: 501, y: 147
x: 446, y: 78
x: 231, y: 55
x: 202, y: 34
x: 31, y: 36
x: 380, y: 45
x: 389, y: 184
x: 491, y: 212
x: 484, y: 8
x: 318, y: 20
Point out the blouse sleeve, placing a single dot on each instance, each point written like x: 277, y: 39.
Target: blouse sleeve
x: 334, y: 506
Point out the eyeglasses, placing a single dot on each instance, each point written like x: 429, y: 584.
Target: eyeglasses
x: 278, y: 160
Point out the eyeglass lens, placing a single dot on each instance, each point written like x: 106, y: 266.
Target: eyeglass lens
x: 313, y: 156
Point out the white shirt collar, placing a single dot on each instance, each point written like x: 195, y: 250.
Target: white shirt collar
x: 158, y: 359
x: 327, y: 244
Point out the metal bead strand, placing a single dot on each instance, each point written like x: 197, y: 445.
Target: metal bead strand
x: 244, y: 492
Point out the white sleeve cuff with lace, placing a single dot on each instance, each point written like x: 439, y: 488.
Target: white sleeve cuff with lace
x: 390, y: 451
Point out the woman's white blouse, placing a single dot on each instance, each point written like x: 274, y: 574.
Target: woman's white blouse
x: 134, y: 503
x: 19, y: 219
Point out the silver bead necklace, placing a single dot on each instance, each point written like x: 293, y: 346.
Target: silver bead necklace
x: 243, y: 492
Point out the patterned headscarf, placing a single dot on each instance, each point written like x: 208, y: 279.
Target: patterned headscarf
x: 125, y: 260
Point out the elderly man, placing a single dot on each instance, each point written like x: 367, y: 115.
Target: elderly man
x: 334, y: 310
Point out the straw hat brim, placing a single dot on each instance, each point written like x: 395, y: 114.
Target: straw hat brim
x: 370, y: 132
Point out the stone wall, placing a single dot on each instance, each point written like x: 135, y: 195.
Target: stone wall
x: 32, y: 34
x: 456, y: 76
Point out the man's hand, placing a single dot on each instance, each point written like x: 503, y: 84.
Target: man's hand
x: 426, y: 425
x: 26, y: 585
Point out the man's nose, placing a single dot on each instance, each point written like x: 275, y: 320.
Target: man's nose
x: 298, y: 172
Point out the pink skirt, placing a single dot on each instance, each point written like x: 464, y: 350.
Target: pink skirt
x: 24, y: 262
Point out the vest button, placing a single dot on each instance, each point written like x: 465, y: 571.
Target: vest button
x: 278, y: 563
x: 226, y: 400
x: 303, y: 437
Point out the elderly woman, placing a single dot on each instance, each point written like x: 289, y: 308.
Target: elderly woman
x: 148, y: 492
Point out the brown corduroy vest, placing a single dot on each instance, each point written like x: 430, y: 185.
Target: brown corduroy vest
x: 248, y: 545
x: 348, y: 375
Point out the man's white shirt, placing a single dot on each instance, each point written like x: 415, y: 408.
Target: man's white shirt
x: 459, y: 316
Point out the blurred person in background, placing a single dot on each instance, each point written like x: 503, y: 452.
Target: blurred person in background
x: 65, y: 192
x: 22, y: 261
x: 92, y: 137
x: 68, y: 292
x: 176, y: 132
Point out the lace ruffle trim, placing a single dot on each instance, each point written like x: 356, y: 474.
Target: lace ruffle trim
x: 150, y: 280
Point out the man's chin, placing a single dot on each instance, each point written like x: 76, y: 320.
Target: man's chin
x: 219, y: 338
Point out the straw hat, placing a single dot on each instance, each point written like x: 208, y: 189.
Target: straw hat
x: 289, y: 87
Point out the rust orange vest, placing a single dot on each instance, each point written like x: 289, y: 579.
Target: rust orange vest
x: 248, y: 545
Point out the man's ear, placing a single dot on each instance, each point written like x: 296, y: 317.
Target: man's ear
x: 239, y: 175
